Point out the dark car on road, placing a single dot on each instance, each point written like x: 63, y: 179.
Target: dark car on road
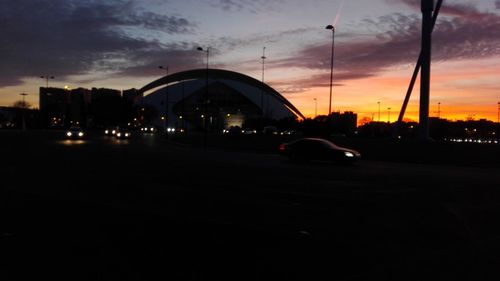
x: 75, y: 133
x: 306, y: 149
x: 123, y: 133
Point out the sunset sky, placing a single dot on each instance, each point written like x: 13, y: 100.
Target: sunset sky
x: 120, y: 44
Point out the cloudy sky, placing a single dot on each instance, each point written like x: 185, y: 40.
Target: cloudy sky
x: 120, y: 44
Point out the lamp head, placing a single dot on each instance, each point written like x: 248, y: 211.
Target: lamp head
x: 199, y: 49
x: 330, y: 27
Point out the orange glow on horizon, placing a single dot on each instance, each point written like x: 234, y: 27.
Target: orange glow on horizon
x: 464, y: 93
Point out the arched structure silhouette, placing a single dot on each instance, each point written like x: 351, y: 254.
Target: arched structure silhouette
x: 219, y: 74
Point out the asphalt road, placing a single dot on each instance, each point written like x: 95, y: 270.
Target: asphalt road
x: 149, y: 208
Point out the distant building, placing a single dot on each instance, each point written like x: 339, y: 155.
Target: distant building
x: 132, y: 96
x: 105, y: 108
x: 78, y: 102
x: 54, y: 106
x: 63, y: 107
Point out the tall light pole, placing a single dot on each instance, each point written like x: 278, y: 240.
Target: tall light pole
x: 439, y: 110
x: 498, y: 112
x: 388, y: 115
x: 498, y: 121
x: 167, y: 120
x: 24, y: 109
x: 205, y: 99
x: 263, y: 57
x: 315, y: 107
x: 46, y: 77
x: 331, y: 27
x: 378, y: 111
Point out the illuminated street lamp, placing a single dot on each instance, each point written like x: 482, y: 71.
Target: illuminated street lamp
x: 332, y: 28
x: 389, y: 115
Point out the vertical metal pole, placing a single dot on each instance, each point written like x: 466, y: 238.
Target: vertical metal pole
x: 427, y: 8
x: 498, y: 121
x: 205, y: 120
x: 262, y: 88
x: 23, y: 109
x: 315, y: 107
x: 167, y: 120
x: 378, y: 111
x: 331, y: 72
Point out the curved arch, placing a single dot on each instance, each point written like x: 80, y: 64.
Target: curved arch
x: 220, y: 74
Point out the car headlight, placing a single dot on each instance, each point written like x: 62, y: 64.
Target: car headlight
x: 119, y: 134
x: 68, y: 134
x: 348, y: 154
x: 127, y: 134
x: 80, y: 134
x: 106, y: 132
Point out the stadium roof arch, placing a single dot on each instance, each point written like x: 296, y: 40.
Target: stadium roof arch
x: 220, y: 74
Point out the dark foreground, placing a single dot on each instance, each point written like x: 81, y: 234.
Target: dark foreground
x: 149, y: 209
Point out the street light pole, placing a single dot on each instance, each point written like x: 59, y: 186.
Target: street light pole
x: 331, y: 67
x: 46, y: 77
x: 388, y: 115
x: 262, y: 88
x: 498, y: 121
x: 378, y: 111
x: 23, y: 110
x: 205, y: 105
x: 167, y: 120
x: 315, y: 107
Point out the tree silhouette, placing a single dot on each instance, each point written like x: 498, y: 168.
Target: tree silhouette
x: 21, y: 104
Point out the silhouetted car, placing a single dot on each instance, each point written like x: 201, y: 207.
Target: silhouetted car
x: 75, y: 133
x: 233, y: 130
x: 305, y: 149
x: 123, y: 134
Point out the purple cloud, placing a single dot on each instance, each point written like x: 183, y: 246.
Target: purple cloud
x: 68, y: 37
x: 253, y: 6
x: 468, y: 34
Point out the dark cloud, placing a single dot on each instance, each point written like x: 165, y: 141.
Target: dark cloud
x: 465, y: 35
x: 64, y: 37
x: 253, y: 6
x: 232, y: 43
